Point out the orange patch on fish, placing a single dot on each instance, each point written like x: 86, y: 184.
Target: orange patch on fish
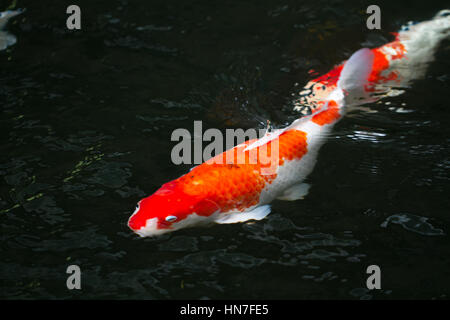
x: 327, y: 116
x: 292, y: 145
x: 381, y: 62
x: 237, y: 183
x: 332, y: 77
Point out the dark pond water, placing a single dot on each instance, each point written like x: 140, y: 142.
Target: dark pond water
x: 86, y: 119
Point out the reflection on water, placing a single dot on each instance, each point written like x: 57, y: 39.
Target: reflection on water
x: 86, y: 123
x: 413, y: 223
x: 370, y: 136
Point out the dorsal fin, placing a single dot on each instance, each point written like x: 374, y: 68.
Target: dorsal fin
x: 353, y: 77
x: 356, y: 70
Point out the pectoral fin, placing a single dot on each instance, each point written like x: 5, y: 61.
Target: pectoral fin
x: 296, y: 192
x: 258, y: 213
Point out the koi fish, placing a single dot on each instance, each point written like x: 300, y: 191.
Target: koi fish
x: 7, y: 39
x: 239, y: 184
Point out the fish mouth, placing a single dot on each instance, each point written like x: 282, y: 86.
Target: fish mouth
x: 150, y: 229
x: 152, y: 234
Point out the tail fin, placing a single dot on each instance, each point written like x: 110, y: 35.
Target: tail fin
x: 353, y: 78
x: 7, y: 39
x: 420, y: 41
x: 433, y: 30
x: 395, y: 64
x: 356, y: 71
x: 6, y: 15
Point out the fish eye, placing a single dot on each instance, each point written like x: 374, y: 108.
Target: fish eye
x: 171, y: 218
x: 138, y: 204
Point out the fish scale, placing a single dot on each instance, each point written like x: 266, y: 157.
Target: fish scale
x: 238, y: 186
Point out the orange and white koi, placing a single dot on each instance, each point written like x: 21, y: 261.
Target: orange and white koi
x: 7, y: 39
x: 224, y: 190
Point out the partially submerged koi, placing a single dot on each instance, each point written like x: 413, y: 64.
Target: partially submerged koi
x: 7, y: 39
x: 238, y: 186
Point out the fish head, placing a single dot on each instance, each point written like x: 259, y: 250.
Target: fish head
x: 170, y: 208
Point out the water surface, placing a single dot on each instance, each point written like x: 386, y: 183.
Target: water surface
x: 86, y: 119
